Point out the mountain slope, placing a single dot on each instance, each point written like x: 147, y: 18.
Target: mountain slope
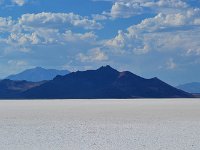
x: 104, y: 82
x: 12, y: 89
x: 193, y: 87
x: 37, y: 74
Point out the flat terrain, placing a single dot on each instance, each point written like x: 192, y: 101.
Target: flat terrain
x: 100, y: 125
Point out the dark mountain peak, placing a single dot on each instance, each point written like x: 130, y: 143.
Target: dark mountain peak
x: 103, y: 73
x: 155, y: 78
x: 107, y: 68
x: 38, y: 68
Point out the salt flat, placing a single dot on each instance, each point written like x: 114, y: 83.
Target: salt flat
x: 100, y: 124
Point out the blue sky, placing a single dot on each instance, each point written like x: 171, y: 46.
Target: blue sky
x: 148, y: 37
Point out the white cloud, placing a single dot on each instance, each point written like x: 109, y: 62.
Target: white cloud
x: 11, y: 3
x: 191, y: 51
x: 93, y: 55
x: 19, y: 2
x: 58, y: 20
x: 23, y: 39
x: 71, y: 37
x: 164, y: 32
x: 6, y: 24
x: 17, y: 63
x: 45, y: 28
x: 129, y: 8
x: 166, y: 3
x: 99, y: 17
x: 48, y: 36
x: 171, y: 64
x: 125, y: 10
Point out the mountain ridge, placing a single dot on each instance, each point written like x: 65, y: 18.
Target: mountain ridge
x: 103, y: 83
x: 37, y: 74
x: 193, y: 87
x: 10, y: 89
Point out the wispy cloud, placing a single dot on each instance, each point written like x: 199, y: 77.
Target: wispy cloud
x: 19, y: 2
x: 93, y: 55
x: 171, y: 64
x: 13, y: 2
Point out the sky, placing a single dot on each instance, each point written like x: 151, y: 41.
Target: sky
x: 151, y: 38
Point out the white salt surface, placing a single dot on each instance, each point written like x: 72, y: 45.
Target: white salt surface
x: 100, y: 125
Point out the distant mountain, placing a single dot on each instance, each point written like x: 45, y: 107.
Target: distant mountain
x: 193, y: 87
x: 102, y: 83
x: 37, y: 74
x: 11, y: 89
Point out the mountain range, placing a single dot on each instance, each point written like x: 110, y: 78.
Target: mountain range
x: 10, y: 89
x: 193, y: 87
x: 103, y: 83
x: 37, y: 74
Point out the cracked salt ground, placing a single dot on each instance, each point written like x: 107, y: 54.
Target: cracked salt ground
x: 97, y: 125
